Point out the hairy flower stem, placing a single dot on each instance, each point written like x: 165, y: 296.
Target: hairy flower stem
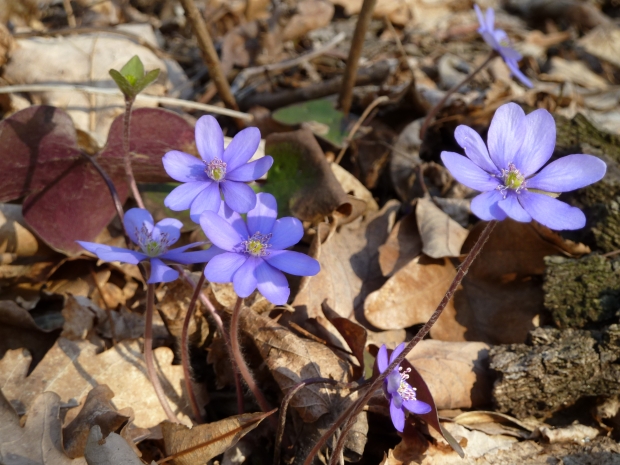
x: 433, y: 111
x: 241, y: 365
x: 131, y: 180
x: 185, y: 349
x: 148, y: 354
x: 347, y: 418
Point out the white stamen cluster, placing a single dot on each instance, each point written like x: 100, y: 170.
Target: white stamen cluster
x: 257, y: 245
x: 405, y: 390
x: 152, y: 247
x: 216, y: 169
x: 513, y: 180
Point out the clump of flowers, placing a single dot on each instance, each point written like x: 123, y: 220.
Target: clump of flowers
x: 253, y: 253
x: 154, y: 240
x: 221, y: 172
x: 508, y: 172
x: 498, y: 40
x: 397, y: 390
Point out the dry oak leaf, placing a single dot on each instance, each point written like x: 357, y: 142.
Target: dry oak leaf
x: 111, y: 450
x: 292, y: 359
x: 441, y: 235
x: 411, y: 296
x: 457, y: 373
x: 403, y: 245
x: 204, y: 442
x: 39, y: 442
x: 73, y: 368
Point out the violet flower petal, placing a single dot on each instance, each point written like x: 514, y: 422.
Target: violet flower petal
x: 485, y: 206
x: 474, y: 148
x: 184, y: 167
x: 250, y: 171
x: 398, y: 416
x: 134, y: 220
x: 161, y: 273
x: 513, y: 208
x: 272, y: 284
x: 234, y: 219
x: 113, y: 254
x: 490, y: 19
x: 221, y: 268
x: 220, y: 232
x: 382, y: 358
x: 171, y: 227
x: 513, y: 66
x: 238, y: 196
x: 569, y: 173
x: 551, y: 212
x: 393, y: 382
x: 263, y: 216
x: 209, y: 138
x: 208, y: 200
x: 294, y: 263
x: 481, y: 19
x: 244, y: 279
x: 241, y: 148
x: 188, y: 258
x: 417, y: 406
x: 286, y: 232
x: 396, y: 352
x: 538, y: 142
x: 506, y: 134
x: 181, y: 197
x: 466, y: 172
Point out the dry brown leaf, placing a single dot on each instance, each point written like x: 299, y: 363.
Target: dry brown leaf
x: 79, y: 318
x: 411, y: 296
x: 97, y: 410
x: 457, y: 373
x: 204, y: 442
x: 403, y: 245
x: 351, y: 185
x: 441, y: 235
x: 18, y: 329
x: 349, y: 267
x: 71, y: 369
x: 603, y: 42
x: 39, y: 442
x: 292, y: 359
x: 109, y: 450
x: 309, y: 15
x: 495, y: 423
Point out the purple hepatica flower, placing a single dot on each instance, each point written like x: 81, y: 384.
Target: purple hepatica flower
x: 253, y: 253
x: 154, y: 240
x: 397, y: 390
x: 498, y: 40
x: 219, y: 170
x: 519, y: 146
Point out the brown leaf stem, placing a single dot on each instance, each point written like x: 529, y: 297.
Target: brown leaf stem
x: 131, y: 180
x: 241, y: 365
x: 355, y: 52
x: 185, y: 349
x: 148, y: 354
x: 348, y: 417
x: 433, y: 111
x: 209, y: 54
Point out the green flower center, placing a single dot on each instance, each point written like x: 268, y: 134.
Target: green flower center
x: 513, y: 180
x: 216, y: 169
x: 257, y: 245
x: 152, y: 247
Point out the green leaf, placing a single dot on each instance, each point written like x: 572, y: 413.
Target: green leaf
x: 147, y: 80
x: 322, y: 117
x: 122, y: 83
x: 133, y: 70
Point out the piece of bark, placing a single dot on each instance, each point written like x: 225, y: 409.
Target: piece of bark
x: 555, y: 369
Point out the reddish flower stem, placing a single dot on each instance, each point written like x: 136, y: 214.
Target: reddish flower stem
x: 131, y: 180
x: 347, y: 418
x: 185, y: 350
x: 148, y: 354
x: 433, y: 111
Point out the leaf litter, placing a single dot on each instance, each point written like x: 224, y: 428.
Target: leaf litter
x: 388, y: 224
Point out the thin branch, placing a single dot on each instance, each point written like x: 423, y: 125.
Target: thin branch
x: 185, y: 349
x: 140, y: 98
x: 355, y: 52
x: 357, y: 407
x: 433, y: 111
x: 148, y: 354
x: 209, y: 54
x: 358, y: 124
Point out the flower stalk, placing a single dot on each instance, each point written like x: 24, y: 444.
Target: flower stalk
x: 131, y: 180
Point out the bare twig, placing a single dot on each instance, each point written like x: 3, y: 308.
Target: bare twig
x: 247, y: 73
x: 356, y: 407
x: 355, y: 52
x: 185, y: 349
x: 148, y: 354
x: 433, y: 112
x: 69, y: 10
x: 358, y: 124
x: 140, y: 98
x: 209, y: 54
